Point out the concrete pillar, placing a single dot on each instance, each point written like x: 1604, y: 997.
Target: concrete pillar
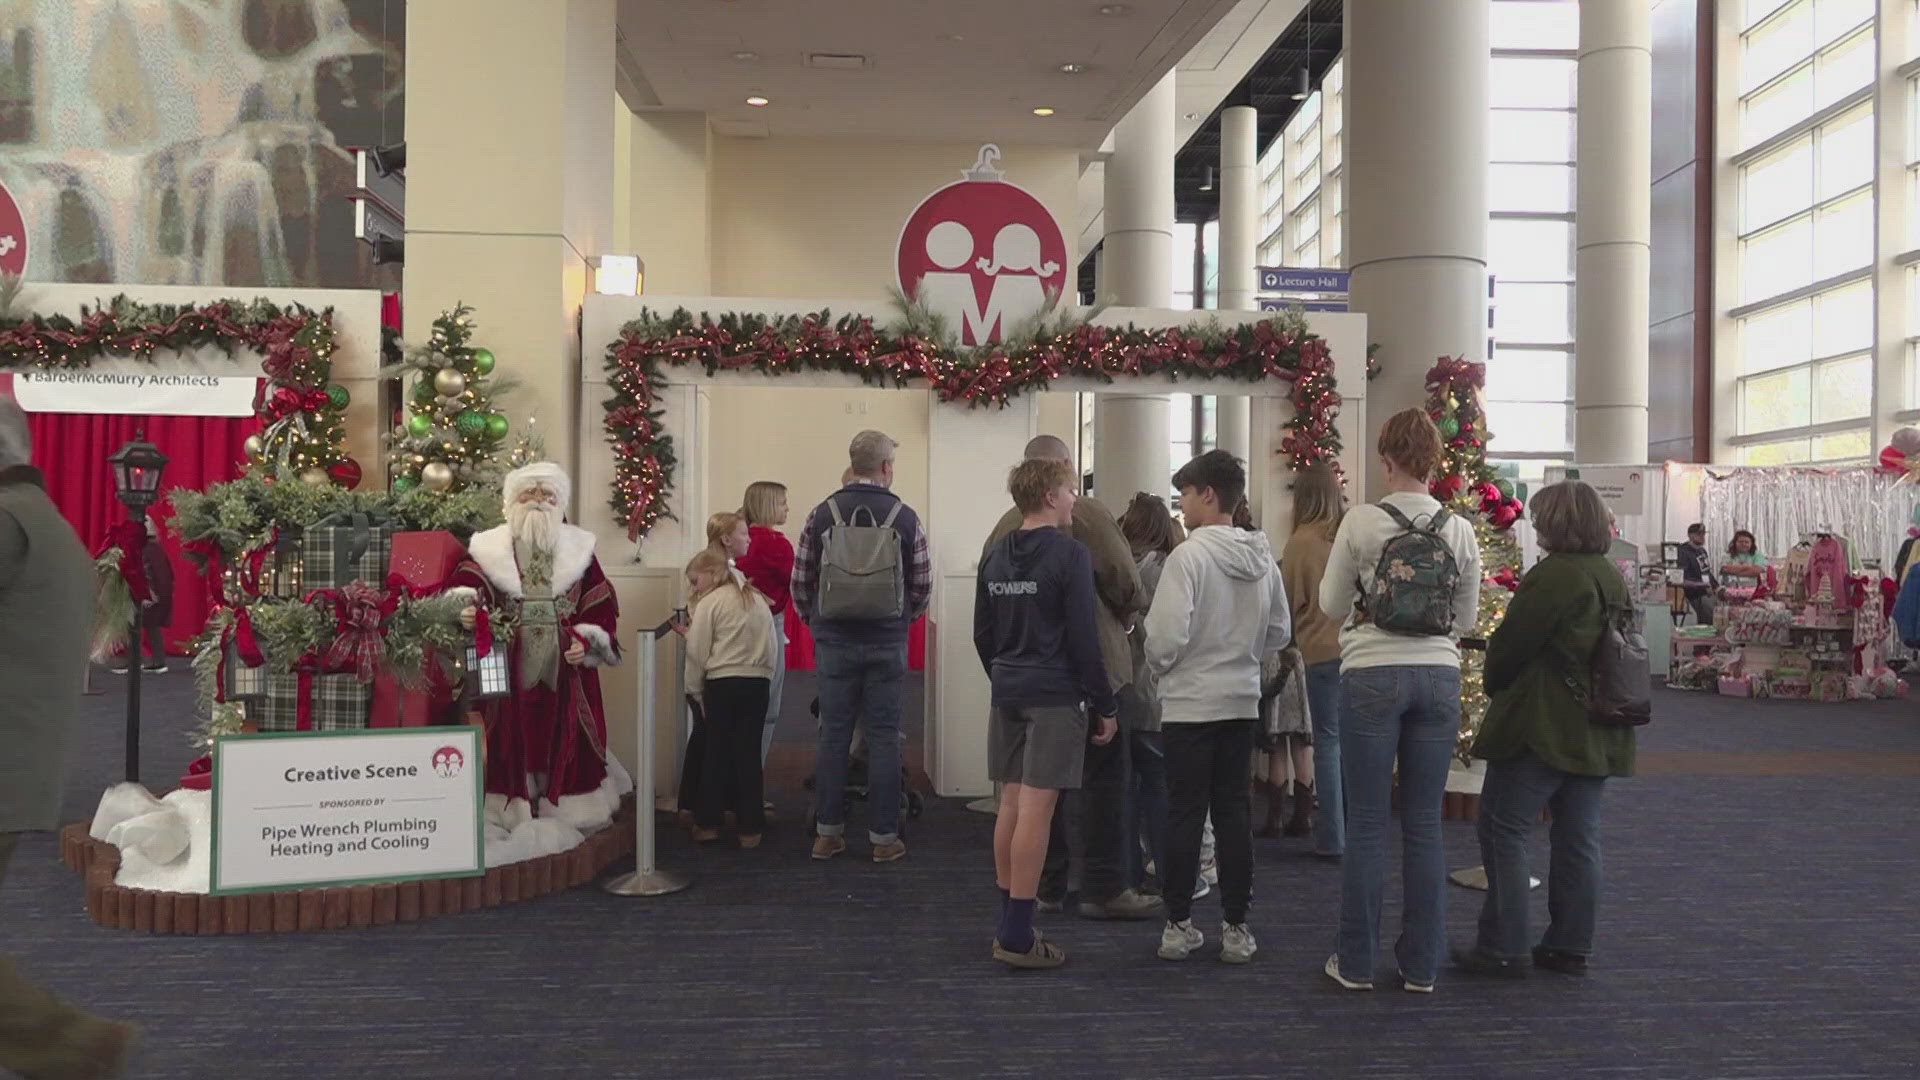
x: 1611, y: 231
x: 510, y: 185
x: 1130, y: 430
x: 1416, y: 169
x: 1239, y: 246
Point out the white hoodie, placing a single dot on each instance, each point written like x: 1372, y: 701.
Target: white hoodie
x: 1219, y: 609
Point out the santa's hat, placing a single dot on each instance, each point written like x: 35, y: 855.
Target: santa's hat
x: 541, y: 473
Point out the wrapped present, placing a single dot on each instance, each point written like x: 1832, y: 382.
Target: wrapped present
x: 399, y: 706
x: 345, y: 548
x: 1736, y: 686
x: 425, y: 560
x: 299, y: 701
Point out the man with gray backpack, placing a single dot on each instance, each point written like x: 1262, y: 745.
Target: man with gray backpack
x: 861, y: 576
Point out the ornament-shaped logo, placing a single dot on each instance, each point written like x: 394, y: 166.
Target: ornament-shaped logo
x: 984, y: 253
x: 13, y: 235
x: 448, y: 761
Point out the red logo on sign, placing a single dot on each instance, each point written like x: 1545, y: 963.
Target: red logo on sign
x: 448, y: 761
x: 984, y: 253
x: 13, y: 235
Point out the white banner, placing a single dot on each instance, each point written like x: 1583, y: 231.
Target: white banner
x: 298, y: 809
x: 144, y: 392
x: 1622, y: 487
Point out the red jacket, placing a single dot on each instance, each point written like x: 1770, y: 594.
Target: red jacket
x: 768, y: 565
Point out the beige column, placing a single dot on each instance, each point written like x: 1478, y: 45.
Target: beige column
x: 1416, y: 170
x: 1130, y: 430
x: 1613, y: 173
x: 510, y: 140
x: 1239, y: 244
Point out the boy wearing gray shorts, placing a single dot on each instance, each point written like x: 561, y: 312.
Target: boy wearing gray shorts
x: 1033, y: 626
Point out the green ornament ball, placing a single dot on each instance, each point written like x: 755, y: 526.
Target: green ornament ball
x: 1449, y: 427
x: 1505, y: 487
x: 423, y: 391
x: 404, y: 484
x: 337, y: 396
x: 496, y: 426
x: 470, y: 424
x: 483, y: 361
x: 419, y: 424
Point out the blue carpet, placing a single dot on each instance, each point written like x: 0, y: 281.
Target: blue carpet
x: 1753, y: 926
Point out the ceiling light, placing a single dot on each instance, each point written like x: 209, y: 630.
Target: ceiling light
x: 746, y: 56
x: 1193, y: 116
x: 1073, y: 69
x: 1115, y: 10
x: 758, y: 101
x: 1043, y: 111
x: 1206, y: 183
x: 1304, y: 88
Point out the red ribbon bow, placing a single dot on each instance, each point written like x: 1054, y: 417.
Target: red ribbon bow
x: 359, y: 610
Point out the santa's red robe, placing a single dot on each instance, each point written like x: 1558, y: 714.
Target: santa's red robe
x: 559, y: 734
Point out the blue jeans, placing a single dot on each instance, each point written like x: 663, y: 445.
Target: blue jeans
x: 865, y: 685
x: 1511, y: 800
x: 1146, y: 806
x: 1323, y: 703
x: 1411, y: 712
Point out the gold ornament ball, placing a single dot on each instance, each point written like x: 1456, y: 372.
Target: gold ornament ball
x: 436, y: 477
x: 255, y: 446
x: 450, y: 382
x: 316, y: 476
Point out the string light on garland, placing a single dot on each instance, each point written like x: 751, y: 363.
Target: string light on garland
x: 1280, y: 348
x: 1469, y: 484
x: 452, y: 436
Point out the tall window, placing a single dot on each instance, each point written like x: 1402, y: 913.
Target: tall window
x: 1804, y: 305
x: 1530, y: 128
x: 1302, y: 204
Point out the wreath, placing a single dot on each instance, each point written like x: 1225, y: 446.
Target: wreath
x: 919, y: 354
x: 302, y: 414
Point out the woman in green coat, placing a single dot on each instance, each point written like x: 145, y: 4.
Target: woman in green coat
x: 1541, y: 750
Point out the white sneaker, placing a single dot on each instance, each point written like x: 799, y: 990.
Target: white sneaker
x: 1210, y: 872
x: 1236, y: 943
x: 1201, y: 888
x: 1333, y: 972
x: 1179, y: 940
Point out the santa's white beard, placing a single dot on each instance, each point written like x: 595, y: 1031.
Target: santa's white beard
x: 534, y: 525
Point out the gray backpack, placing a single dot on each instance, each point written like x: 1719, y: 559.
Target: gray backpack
x: 861, y: 579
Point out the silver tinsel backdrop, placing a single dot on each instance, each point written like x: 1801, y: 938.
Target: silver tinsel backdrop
x: 1780, y: 505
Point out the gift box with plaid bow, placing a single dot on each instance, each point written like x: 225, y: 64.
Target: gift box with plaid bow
x: 345, y: 548
x: 338, y: 703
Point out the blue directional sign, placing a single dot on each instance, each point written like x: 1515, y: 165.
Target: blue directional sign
x: 1281, y: 303
x: 1302, y: 280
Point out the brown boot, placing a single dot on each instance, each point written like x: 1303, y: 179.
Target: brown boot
x: 1301, y: 823
x: 1276, y: 809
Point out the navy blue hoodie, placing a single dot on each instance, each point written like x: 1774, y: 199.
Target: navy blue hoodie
x: 1033, y: 622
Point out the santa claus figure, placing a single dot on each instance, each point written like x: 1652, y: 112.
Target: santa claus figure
x: 547, y: 738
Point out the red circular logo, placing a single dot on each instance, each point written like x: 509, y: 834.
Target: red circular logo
x: 982, y: 252
x: 13, y: 235
x: 448, y: 761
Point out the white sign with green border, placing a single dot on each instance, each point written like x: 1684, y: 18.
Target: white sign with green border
x: 299, y: 809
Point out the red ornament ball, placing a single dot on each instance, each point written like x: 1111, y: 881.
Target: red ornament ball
x: 345, y: 473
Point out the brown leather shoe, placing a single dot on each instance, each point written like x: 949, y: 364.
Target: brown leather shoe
x: 826, y: 847
x: 749, y: 840
x: 100, y: 1052
x: 890, y: 852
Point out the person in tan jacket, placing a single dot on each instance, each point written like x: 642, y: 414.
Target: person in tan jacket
x: 729, y: 671
x: 1100, y: 804
x: 1318, y: 505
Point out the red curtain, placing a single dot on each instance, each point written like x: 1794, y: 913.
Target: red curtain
x: 72, y: 450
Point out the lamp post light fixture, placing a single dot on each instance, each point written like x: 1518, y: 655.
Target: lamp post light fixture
x: 137, y: 469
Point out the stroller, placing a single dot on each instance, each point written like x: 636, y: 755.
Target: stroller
x: 912, y: 804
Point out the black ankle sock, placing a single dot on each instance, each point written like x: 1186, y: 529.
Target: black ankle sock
x: 1001, y: 912
x: 1016, y: 926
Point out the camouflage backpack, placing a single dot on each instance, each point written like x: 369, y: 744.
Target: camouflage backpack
x: 1414, y: 581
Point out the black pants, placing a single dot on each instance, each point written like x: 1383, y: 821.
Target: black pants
x: 736, y: 713
x: 1209, y: 768
x: 1089, y: 827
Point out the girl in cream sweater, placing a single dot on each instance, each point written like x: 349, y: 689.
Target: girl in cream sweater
x: 729, y: 669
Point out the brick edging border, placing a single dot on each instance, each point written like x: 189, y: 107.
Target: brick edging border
x: 299, y: 910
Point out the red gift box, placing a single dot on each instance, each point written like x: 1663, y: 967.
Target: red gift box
x: 397, y: 706
x: 425, y: 560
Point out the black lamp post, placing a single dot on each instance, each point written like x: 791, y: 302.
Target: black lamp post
x: 137, y: 468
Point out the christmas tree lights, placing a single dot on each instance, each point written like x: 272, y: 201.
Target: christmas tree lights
x: 451, y: 437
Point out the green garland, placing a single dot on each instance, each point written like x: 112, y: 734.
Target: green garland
x: 239, y: 516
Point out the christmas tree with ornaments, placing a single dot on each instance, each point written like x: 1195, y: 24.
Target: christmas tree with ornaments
x: 451, y: 437
x: 1468, y: 484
